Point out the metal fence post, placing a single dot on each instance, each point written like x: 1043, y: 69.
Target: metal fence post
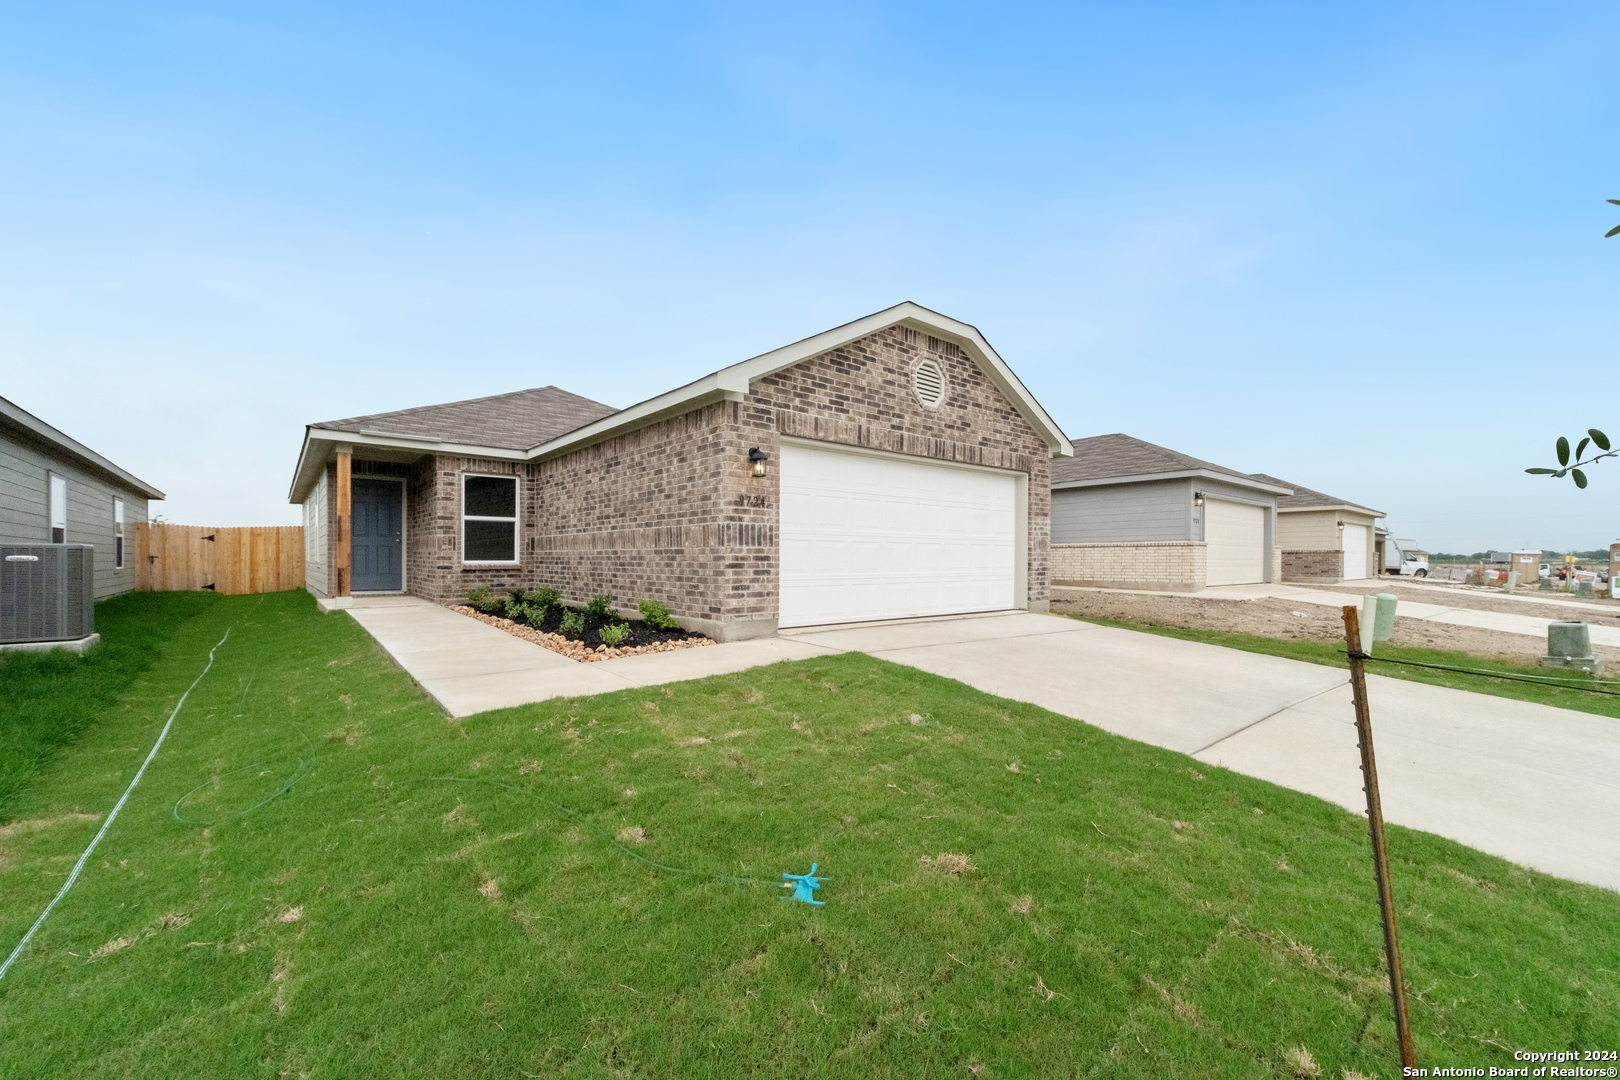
x: 1375, y: 824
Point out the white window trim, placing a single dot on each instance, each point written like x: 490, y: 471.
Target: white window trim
x: 55, y: 510
x: 118, y: 533
x: 517, y: 507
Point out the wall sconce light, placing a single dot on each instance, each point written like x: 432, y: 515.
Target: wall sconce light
x: 758, y: 457
x: 1198, y: 498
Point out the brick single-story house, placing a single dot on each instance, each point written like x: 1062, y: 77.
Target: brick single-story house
x: 1128, y: 514
x: 1324, y: 538
x: 56, y: 490
x: 893, y: 467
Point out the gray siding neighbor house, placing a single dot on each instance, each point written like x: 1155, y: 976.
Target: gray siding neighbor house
x: 1128, y: 514
x: 56, y: 490
x: 892, y: 467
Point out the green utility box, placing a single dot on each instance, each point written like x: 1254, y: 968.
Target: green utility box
x: 1569, y: 645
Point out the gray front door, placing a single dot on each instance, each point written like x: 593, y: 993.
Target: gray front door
x: 375, y: 549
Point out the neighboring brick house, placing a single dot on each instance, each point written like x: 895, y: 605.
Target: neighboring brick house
x: 1324, y: 538
x: 893, y: 467
x: 56, y: 490
x: 1128, y: 514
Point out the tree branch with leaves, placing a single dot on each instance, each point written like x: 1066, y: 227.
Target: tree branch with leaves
x: 1594, y: 437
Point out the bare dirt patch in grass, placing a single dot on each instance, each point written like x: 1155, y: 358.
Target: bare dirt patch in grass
x: 949, y: 863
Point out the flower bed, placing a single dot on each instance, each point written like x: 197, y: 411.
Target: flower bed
x: 644, y: 640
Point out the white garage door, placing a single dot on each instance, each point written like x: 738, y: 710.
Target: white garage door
x: 1235, y: 540
x: 868, y: 537
x: 1355, y: 552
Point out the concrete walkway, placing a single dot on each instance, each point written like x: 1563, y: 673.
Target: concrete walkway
x: 1504, y: 622
x: 1534, y: 784
x: 471, y: 667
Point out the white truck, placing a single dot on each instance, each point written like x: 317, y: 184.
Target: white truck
x: 1401, y: 558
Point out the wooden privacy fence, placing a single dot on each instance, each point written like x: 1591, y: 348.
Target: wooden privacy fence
x: 175, y: 558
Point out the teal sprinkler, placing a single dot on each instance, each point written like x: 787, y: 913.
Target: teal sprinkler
x: 804, y: 887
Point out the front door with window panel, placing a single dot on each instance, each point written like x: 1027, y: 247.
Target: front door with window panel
x: 376, y: 547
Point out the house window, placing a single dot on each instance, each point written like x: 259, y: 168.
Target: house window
x: 118, y: 534
x: 58, y: 509
x: 489, y: 519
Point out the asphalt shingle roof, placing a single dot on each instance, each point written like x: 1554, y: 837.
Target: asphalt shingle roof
x: 1103, y: 457
x: 1305, y: 497
x: 515, y: 421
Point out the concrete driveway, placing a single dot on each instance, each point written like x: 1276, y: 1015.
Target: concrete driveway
x: 1534, y: 784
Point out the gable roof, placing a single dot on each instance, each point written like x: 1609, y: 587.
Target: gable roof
x: 1305, y: 498
x: 1121, y: 458
x: 513, y: 421
x: 411, y: 432
x: 19, y: 422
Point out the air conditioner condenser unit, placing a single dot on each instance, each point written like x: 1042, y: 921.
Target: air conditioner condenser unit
x: 47, y: 592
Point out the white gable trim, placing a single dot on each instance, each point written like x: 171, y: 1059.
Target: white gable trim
x: 732, y: 383
x: 727, y: 384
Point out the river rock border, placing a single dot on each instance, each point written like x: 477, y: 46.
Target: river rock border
x: 576, y: 650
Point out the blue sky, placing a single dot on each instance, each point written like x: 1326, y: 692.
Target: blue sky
x: 1328, y: 244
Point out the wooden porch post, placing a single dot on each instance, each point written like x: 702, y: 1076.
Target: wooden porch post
x: 344, y: 456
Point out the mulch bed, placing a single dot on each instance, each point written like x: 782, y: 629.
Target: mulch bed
x: 642, y: 639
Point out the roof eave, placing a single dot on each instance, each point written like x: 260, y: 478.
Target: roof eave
x: 16, y: 416
x: 732, y: 383
x: 723, y: 385
x: 1352, y: 507
x: 1179, y: 474
x: 310, y: 461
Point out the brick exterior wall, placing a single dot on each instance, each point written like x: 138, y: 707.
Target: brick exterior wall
x: 1169, y: 566
x: 1313, y: 565
x: 672, y: 511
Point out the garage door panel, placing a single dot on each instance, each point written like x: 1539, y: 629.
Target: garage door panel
x: 1355, y: 552
x: 1234, y: 542
x: 867, y: 537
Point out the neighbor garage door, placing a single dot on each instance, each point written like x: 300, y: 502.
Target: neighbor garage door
x: 1235, y: 538
x: 867, y: 537
x: 1355, y: 552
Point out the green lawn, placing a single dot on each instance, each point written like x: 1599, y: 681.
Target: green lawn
x: 47, y: 698
x: 1180, y: 921
x: 1331, y: 653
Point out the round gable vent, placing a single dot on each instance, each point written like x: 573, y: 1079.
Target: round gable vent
x: 928, y: 382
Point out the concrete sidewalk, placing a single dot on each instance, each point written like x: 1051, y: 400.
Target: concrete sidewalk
x: 1529, y: 625
x: 1534, y: 784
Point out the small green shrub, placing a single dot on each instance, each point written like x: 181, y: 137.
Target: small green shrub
x: 657, y: 616
x: 573, y: 624
x: 533, y: 614
x: 600, y: 607
x: 483, y: 599
x: 545, y: 598
x: 514, y: 607
x: 516, y: 595
x: 615, y: 635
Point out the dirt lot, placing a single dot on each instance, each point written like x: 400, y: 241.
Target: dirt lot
x: 1313, y: 622
x: 1545, y: 605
